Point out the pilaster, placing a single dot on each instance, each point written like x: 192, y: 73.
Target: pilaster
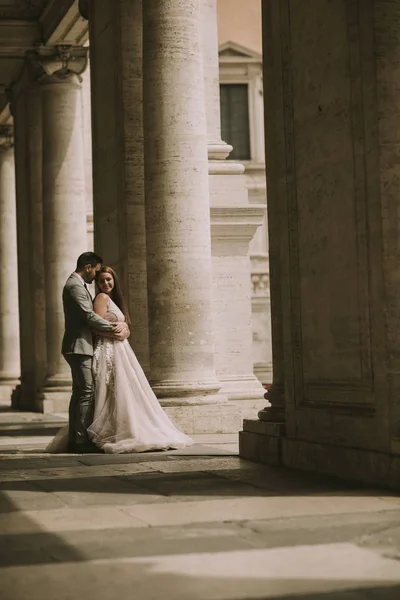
x: 9, y: 321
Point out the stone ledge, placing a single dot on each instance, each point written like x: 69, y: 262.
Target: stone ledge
x: 355, y: 464
x: 350, y: 463
x: 264, y: 427
x: 260, y: 448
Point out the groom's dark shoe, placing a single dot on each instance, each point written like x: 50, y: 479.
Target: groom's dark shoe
x: 85, y: 448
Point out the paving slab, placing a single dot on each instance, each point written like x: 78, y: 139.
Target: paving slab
x: 94, y: 491
x: 302, y: 571
x: 41, y: 548
x: 239, y: 509
x: 67, y: 519
x: 26, y: 496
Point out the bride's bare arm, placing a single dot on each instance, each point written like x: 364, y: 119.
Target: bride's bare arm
x: 100, y: 305
x: 121, y: 331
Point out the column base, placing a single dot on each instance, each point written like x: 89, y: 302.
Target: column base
x: 23, y: 398
x: 272, y: 414
x: 240, y: 398
x: 175, y: 393
x: 205, y: 418
x: 7, y: 387
x: 246, y: 392
x: 53, y: 399
x: 201, y: 408
x: 262, y: 442
x: 266, y: 442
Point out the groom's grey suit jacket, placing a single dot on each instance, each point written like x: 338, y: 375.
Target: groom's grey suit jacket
x: 80, y: 318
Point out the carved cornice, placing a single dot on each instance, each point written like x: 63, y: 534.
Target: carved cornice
x: 236, y: 223
x: 58, y: 62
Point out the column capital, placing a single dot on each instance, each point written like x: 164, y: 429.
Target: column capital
x: 57, y: 63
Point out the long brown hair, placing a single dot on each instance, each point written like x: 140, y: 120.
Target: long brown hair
x: 116, y: 293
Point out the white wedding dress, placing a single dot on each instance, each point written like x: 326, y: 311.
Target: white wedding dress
x: 127, y: 414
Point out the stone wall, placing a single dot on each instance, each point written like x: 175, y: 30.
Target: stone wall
x: 333, y: 140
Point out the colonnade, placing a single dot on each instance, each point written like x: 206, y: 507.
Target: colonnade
x: 171, y: 214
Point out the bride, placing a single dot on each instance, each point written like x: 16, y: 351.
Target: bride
x: 127, y: 414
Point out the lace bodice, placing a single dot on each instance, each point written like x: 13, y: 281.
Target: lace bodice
x: 114, y: 313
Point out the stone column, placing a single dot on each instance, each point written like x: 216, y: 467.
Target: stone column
x: 64, y: 200
x: 177, y: 206
x: 9, y: 322
x: 118, y: 163
x: 233, y: 224
x: 386, y: 15
x: 87, y: 154
x: 27, y: 112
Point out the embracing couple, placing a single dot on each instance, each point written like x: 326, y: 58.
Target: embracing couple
x: 113, y: 408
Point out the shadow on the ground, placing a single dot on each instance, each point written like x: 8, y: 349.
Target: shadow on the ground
x: 152, y: 578
x: 389, y: 592
x: 30, y: 429
x: 13, y: 552
x: 207, y: 481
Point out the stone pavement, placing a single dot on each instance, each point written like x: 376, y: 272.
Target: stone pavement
x: 196, y: 525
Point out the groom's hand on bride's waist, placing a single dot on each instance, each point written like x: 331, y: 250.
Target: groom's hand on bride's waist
x: 119, y: 327
x: 121, y: 332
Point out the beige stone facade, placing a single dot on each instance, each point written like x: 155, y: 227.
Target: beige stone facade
x: 176, y: 209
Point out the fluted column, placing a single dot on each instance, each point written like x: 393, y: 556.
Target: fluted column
x: 64, y: 199
x: 118, y: 163
x: 27, y: 112
x: 87, y: 154
x: 9, y: 323
x: 233, y: 224
x: 177, y: 205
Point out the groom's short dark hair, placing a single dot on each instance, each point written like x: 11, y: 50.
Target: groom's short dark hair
x: 88, y: 258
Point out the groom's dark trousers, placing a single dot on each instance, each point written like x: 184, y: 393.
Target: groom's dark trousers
x: 81, y: 407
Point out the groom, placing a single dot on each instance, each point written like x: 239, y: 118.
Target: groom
x: 77, y: 348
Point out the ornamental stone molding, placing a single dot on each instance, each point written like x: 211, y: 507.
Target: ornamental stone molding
x: 48, y: 64
x: 60, y: 62
x: 260, y: 284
